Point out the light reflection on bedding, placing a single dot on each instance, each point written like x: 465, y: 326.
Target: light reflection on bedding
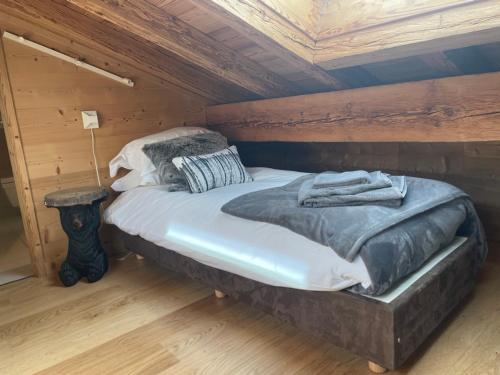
x: 196, y: 240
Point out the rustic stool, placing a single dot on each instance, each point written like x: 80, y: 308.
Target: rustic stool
x: 80, y: 219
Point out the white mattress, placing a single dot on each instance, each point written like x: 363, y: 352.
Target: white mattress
x: 194, y: 226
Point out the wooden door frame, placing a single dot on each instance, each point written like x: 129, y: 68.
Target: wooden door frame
x: 19, y: 168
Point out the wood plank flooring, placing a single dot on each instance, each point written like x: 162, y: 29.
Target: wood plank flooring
x: 142, y: 320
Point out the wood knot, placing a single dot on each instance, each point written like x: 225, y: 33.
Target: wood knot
x: 449, y: 111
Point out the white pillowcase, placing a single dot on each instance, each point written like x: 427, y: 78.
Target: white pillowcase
x: 134, y: 179
x: 132, y: 157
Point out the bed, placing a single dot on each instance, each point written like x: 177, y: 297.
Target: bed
x: 296, y: 279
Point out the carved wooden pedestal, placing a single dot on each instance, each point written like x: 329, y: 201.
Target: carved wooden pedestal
x: 80, y: 219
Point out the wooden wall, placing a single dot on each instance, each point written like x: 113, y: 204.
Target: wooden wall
x: 465, y: 108
x: 48, y: 95
x: 474, y: 167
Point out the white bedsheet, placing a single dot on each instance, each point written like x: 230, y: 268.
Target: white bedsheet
x: 194, y: 226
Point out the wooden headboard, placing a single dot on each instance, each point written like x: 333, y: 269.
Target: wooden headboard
x: 455, y: 109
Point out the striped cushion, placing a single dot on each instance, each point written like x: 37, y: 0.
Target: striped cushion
x: 206, y: 172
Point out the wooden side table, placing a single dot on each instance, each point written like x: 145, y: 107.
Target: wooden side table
x: 80, y: 219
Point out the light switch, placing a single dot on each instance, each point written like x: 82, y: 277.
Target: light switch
x: 90, y: 120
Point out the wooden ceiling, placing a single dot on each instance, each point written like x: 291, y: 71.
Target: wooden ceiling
x: 232, y: 51
x: 442, y: 63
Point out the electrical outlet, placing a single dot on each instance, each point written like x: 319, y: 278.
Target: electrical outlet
x: 90, y: 120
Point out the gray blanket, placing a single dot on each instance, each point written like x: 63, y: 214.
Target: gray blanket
x: 392, y: 242
x: 382, y: 190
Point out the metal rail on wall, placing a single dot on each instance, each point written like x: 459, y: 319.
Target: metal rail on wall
x: 72, y: 60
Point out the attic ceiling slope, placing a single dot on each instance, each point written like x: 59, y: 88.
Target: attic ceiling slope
x: 230, y: 51
x: 277, y: 37
x: 57, y: 17
x: 337, y: 17
x: 336, y: 34
x: 462, y: 25
x: 300, y: 13
x: 171, y: 34
x: 268, y: 21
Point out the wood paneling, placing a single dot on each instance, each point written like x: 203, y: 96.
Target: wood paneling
x: 469, y: 60
x: 267, y: 21
x: 302, y: 14
x: 440, y: 63
x: 19, y: 167
x: 414, y: 68
x: 48, y: 96
x: 19, y: 16
x: 456, y: 27
x: 455, y: 109
x: 239, y: 16
x: 167, y: 32
x: 338, y: 34
x: 253, y: 29
x: 236, y: 34
x: 348, y: 16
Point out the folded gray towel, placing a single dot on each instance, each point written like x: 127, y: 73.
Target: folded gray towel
x: 336, y: 179
x: 376, y: 180
x: 388, y: 196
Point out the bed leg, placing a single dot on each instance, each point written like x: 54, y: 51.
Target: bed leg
x: 219, y: 294
x: 139, y: 257
x: 377, y: 369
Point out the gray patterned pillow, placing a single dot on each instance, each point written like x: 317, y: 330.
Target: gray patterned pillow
x: 206, y: 172
x: 162, y: 153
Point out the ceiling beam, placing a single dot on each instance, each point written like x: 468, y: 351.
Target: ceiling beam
x: 273, y: 33
x: 266, y: 20
x: 302, y: 14
x: 349, y: 16
x: 456, y: 27
x: 169, y: 33
x: 62, y: 20
x: 455, y: 109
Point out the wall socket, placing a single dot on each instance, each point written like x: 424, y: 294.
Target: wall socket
x: 90, y: 120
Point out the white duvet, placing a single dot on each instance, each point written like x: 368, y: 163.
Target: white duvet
x: 194, y: 226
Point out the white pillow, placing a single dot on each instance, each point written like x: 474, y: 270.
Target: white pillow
x: 134, y: 179
x: 132, y: 157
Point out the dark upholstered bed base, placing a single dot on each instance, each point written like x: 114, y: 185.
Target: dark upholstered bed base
x: 384, y: 333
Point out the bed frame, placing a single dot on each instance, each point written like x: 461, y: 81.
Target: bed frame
x: 386, y: 334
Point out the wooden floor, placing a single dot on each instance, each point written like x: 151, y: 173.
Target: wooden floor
x: 140, y: 319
